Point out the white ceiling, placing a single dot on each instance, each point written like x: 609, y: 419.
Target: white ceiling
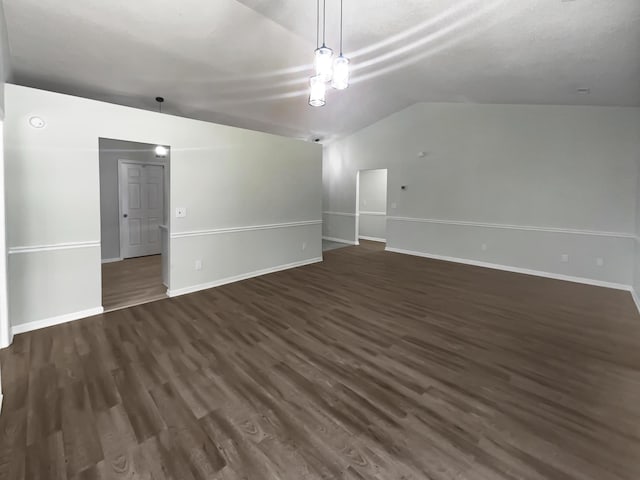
x: 246, y: 62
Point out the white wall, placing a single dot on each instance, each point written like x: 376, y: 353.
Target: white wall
x: 230, y: 180
x: 531, y: 183
x: 372, y: 219
x: 5, y: 66
x: 110, y: 151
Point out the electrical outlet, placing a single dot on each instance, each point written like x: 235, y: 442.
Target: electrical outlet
x: 564, y: 258
x: 600, y: 261
x: 484, y: 247
x: 181, y: 212
x: 198, y: 265
x: 394, y: 205
x: 304, y: 245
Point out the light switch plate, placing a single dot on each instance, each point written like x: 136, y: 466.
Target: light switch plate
x: 181, y: 212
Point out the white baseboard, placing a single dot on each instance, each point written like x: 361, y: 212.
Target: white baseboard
x: 111, y: 260
x: 634, y: 295
x: 49, y: 322
x: 373, y: 239
x: 341, y: 240
x: 9, y: 340
x: 526, y: 271
x: 217, y: 283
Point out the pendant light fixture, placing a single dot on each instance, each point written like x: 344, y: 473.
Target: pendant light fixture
x: 317, y: 91
x: 317, y: 86
x: 340, y: 79
x: 327, y: 70
x: 323, y: 61
x: 161, y: 150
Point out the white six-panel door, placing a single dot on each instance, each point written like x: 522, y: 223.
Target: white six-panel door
x: 141, y: 208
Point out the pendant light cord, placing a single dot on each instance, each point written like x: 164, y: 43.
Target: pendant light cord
x: 324, y: 21
x: 318, y: 25
x: 340, y: 27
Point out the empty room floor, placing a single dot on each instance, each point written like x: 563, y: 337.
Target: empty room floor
x: 132, y: 281
x: 370, y: 365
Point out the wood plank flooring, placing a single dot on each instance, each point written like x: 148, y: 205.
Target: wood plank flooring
x: 131, y: 282
x: 370, y: 365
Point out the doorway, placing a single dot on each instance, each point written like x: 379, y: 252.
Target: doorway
x: 371, y: 205
x: 134, y: 203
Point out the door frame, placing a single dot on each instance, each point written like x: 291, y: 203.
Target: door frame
x: 120, y: 193
x: 357, y: 229
x: 6, y: 336
x: 357, y: 210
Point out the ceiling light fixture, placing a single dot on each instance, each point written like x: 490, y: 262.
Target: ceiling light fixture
x: 37, y: 122
x: 327, y: 69
x: 317, y: 91
x: 161, y: 151
x: 323, y: 60
x: 340, y: 79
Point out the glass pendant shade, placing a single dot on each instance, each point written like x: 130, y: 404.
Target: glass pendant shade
x: 318, y: 90
x: 323, y: 62
x: 340, y: 79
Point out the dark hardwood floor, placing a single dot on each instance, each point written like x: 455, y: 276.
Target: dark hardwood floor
x: 132, y: 282
x: 371, y: 365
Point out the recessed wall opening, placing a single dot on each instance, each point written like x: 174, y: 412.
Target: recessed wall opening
x: 134, y: 222
x: 371, y: 205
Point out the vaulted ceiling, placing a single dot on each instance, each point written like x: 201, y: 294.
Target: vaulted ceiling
x: 246, y: 62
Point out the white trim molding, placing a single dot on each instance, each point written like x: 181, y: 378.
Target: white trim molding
x: 373, y: 239
x: 112, y: 260
x: 217, y: 283
x: 636, y: 299
x: 218, y: 231
x: 376, y: 214
x: 52, y: 247
x: 514, y: 227
x: 340, y: 240
x: 5, y: 329
x: 341, y: 214
x: 49, y: 322
x: 506, y: 268
x: 5, y: 342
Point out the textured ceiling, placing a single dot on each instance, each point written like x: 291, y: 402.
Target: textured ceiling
x: 246, y: 62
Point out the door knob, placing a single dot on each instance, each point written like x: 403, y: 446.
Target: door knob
x: 125, y: 215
